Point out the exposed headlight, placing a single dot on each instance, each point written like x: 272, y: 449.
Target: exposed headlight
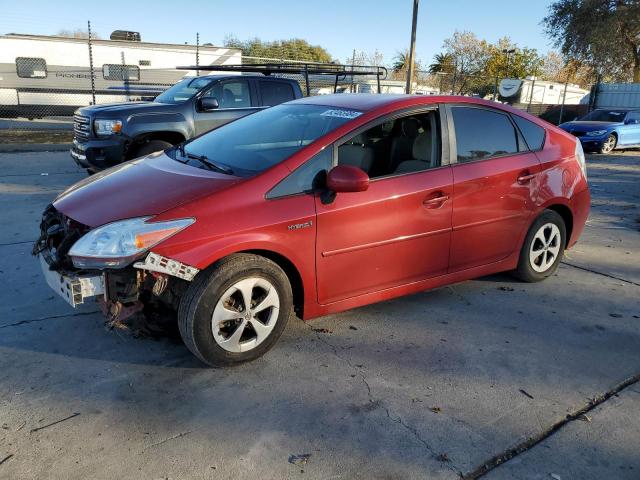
x: 117, y: 244
x: 596, y: 133
x: 104, y: 128
x: 580, y: 157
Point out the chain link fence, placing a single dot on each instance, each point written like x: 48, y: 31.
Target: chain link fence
x: 38, y: 95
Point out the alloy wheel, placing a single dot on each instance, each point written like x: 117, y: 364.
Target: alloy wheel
x: 545, y: 247
x: 245, y: 314
x: 609, y: 144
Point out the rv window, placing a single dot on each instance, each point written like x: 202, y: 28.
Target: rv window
x: 120, y: 72
x: 27, y: 67
x: 144, y: 63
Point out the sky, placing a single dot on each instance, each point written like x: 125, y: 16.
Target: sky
x: 338, y: 26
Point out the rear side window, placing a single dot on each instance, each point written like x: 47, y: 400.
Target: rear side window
x: 274, y: 93
x: 120, y: 72
x: 533, y: 134
x: 482, y: 133
x: 29, y: 67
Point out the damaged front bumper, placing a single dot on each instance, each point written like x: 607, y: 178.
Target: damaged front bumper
x: 73, y: 289
x: 153, y: 279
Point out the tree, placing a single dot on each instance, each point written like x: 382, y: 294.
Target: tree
x: 375, y: 58
x: 521, y: 63
x: 442, y: 63
x: 602, y: 33
x: 292, y: 49
x: 401, y: 64
x: 77, y: 33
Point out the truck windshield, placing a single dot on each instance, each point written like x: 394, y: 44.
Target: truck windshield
x: 183, y: 90
x: 256, y: 142
x: 605, y: 116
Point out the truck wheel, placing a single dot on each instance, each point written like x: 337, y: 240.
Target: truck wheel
x: 609, y: 144
x: 543, y: 248
x: 150, y: 147
x: 236, y: 310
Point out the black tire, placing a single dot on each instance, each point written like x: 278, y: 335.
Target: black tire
x: 525, y: 270
x: 196, y: 308
x: 609, y: 144
x: 149, y: 147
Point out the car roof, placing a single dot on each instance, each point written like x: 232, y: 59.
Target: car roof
x: 356, y: 101
x: 261, y: 77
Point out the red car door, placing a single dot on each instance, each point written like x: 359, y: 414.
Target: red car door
x: 396, y: 232
x: 494, y: 178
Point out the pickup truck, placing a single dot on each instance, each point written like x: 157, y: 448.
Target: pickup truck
x: 106, y: 135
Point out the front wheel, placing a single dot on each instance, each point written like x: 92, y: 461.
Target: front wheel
x: 543, y: 248
x: 609, y: 144
x: 235, y: 311
x: 150, y: 147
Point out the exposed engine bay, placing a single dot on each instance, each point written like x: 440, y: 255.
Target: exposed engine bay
x: 150, y: 283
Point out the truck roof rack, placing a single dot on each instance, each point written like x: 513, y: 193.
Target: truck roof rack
x: 305, y: 69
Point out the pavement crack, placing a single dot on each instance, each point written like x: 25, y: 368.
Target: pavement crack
x: 16, y: 243
x: 531, y: 442
x: 52, y: 317
x: 599, y: 273
x: 395, y: 419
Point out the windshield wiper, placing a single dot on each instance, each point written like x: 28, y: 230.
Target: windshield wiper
x: 211, y: 164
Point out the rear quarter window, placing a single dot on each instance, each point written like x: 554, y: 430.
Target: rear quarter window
x: 274, y: 93
x: 532, y: 133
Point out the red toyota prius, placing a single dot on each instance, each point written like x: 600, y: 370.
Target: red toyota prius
x: 317, y: 205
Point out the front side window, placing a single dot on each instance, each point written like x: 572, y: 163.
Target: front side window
x: 183, y: 90
x: 233, y: 94
x: 121, y: 72
x: 274, y: 93
x: 393, y: 147
x: 633, y: 117
x: 29, y: 67
x: 259, y: 141
x: 482, y: 133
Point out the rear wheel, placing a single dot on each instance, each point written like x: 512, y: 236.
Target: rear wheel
x: 150, y: 147
x: 609, y: 144
x: 543, y: 248
x: 235, y: 311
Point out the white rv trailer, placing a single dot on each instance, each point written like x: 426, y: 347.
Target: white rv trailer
x: 544, y: 92
x: 50, y: 75
x: 371, y: 86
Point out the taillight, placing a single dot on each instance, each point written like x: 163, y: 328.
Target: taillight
x: 581, y: 159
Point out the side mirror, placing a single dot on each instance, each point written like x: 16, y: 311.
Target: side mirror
x: 345, y: 178
x: 208, y: 103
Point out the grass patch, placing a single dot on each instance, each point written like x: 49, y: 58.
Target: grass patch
x: 35, y: 136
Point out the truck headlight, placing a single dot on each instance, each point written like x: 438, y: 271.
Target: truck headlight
x: 104, y: 128
x: 596, y: 133
x: 117, y: 244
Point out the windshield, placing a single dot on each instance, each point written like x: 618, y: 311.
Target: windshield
x: 605, y: 116
x: 183, y: 90
x: 256, y: 142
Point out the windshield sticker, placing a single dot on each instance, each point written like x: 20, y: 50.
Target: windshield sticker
x: 341, y: 113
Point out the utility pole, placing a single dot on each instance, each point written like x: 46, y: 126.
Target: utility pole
x: 412, y: 47
x: 353, y: 62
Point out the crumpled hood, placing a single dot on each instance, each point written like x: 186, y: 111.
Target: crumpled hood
x: 587, y: 125
x: 146, y: 186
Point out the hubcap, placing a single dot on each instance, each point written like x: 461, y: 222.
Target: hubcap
x: 545, y: 247
x: 245, y: 314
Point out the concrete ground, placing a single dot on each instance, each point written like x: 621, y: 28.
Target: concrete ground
x: 434, y: 385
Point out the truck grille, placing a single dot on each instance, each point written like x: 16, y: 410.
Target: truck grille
x: 81, y: 127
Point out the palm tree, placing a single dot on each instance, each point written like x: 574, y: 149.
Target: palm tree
x: 442, y: 62
x: 400, y: 62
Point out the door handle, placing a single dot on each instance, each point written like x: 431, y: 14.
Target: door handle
x: 435, y: 202
x: 526, y: 178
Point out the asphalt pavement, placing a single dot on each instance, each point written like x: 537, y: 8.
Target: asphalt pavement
x: 488, y: 377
